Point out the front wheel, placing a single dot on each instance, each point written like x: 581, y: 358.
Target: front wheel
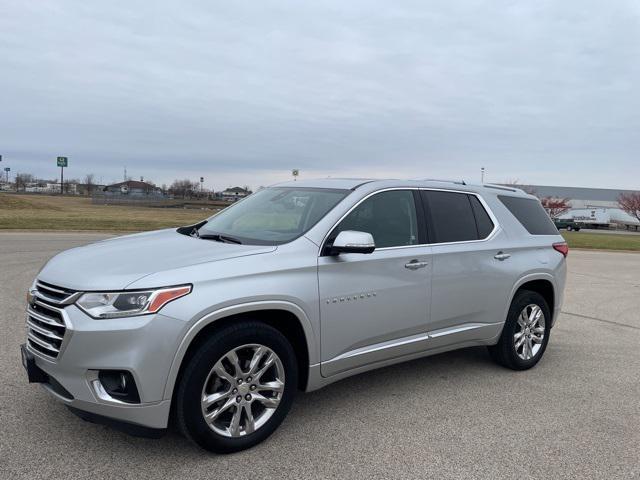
x: 237, y: 388
x: 526, y: 332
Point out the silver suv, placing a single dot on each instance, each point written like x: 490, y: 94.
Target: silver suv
x: 218, y: 324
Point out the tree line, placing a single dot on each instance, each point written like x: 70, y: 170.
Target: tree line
x: 181, y: 188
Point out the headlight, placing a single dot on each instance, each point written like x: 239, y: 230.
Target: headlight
x: 127, y: 304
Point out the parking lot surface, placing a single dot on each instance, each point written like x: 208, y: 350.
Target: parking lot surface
x: 455, y: 415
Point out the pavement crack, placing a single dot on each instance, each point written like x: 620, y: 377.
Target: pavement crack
x: 600, y: 320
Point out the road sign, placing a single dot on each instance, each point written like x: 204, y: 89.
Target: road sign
x: 63, y: 162
x: 7, y: 169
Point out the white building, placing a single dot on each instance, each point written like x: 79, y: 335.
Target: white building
x: 235, y: 193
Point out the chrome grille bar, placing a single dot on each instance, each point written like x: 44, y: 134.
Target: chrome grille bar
x: 43, y: 344
x: 46, y: 324
x: 43, y: 331
x: 48, y: 320
x: 41, y: 286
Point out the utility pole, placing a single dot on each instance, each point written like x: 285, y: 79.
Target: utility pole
x: 201, y: 185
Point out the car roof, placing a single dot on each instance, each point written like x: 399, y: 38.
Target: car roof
x: 341, y: 183
x: 375, y: 184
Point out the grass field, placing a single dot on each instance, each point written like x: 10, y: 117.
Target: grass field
x: 39, y: 212
x: 602, y: 241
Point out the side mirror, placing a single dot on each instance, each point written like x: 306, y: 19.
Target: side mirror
x: 350, y: 241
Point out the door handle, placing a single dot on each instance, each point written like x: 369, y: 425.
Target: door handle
x: 415, y: 265
x: 501, y: 256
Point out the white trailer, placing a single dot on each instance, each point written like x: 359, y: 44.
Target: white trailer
x: 601, y: 217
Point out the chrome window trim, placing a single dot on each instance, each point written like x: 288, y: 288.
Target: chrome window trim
x: 494, y: 219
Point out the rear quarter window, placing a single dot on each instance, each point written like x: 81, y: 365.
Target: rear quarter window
x: 452, y: 216
x: 530, y: 214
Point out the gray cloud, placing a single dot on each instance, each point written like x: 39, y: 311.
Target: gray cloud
x: 241, y: 92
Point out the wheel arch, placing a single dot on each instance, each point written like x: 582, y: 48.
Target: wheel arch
x: 542, y: 283
x: 286, y: 317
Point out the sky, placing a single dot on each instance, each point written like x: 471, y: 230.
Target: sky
x: 543, y: 92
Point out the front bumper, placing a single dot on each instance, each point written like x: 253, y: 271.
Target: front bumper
x: 145, y: 346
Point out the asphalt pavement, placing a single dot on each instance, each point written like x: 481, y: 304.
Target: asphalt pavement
x: 455, y: 415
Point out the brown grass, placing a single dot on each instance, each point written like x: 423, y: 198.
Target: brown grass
x: 48, y: 212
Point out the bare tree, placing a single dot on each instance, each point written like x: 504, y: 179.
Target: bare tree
x: 556, y: 207
x: 183, y: 188
x: 630, y: 203
x: 89, y: 181
x: 22, y: 179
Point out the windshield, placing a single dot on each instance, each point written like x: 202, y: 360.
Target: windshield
x: 274, y: 215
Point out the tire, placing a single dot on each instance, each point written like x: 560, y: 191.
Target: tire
x: 569, y: 228
x: 506, y: 353
x: 199, y: 380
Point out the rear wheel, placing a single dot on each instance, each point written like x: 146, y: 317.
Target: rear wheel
x: 526, y: 332
x: 237, y: 388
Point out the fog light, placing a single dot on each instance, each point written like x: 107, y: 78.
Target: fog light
x: 120, y: 385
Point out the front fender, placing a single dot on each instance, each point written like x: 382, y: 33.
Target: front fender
x: 234, y: 310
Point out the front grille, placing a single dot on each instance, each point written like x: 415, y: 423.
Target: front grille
x: 46, y: 326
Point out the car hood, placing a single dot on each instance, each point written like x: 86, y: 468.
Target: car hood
x: 116, y: 263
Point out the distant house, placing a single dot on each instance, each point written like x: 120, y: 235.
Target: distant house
x: 235, y: 193
x: 132, y: 188
x: 88, y: 189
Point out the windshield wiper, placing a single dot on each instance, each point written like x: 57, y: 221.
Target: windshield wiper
x: 220, y: 238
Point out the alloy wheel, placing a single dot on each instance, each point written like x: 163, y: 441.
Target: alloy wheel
x: 530, y: 335
x: 243, y: 390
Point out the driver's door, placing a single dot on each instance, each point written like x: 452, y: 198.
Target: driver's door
x: 375, y: 306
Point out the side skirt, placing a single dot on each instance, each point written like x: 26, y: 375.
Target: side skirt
x: 401, y: 350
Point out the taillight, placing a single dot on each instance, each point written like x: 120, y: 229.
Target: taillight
x: 561, y: 247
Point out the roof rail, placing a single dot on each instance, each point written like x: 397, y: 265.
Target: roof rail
x: 457, y: 182
x: 500, y: 187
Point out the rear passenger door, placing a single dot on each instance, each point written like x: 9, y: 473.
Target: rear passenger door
x: 468, y: 283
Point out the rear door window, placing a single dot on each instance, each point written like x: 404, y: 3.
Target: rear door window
x: 530, y: 214
x: 452, y: 218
